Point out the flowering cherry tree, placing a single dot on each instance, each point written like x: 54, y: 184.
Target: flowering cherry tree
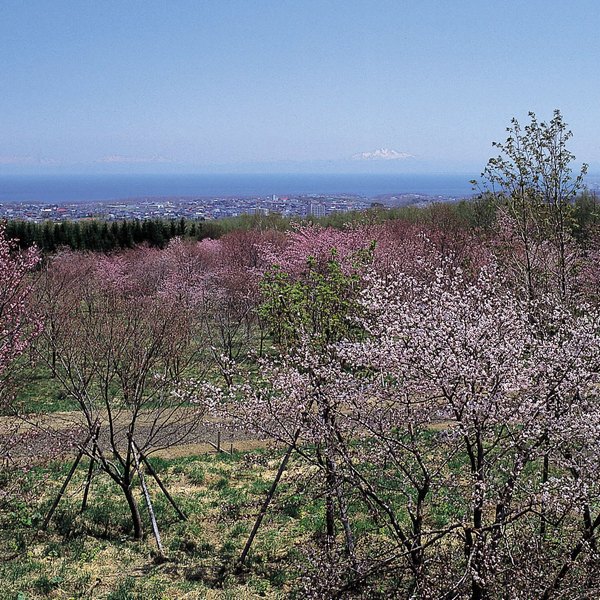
x: 317, y: 242
x: 466, y: 430
x: 465, y: 402
x: 219, y: 281
x: 18, y: 324
x: 19, y: 327
x: 122, y: 344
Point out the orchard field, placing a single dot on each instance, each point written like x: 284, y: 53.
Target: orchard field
x: 396, y: 407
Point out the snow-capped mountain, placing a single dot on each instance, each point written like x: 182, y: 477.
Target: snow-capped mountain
x: 382, y: 154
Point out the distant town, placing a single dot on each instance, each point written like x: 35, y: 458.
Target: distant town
x: 207, y: 208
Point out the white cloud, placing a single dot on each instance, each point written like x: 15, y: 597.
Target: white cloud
x: 12, y: 159
x: 129, y: 160
x: 15, y: 159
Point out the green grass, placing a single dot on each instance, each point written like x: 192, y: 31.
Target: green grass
x: 217, y: 492
x: 39, y: 392
x: 221, y: 494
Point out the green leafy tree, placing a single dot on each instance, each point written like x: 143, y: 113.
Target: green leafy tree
x: 319, y: 304
x: 308, y: 313
x: 533, y: 174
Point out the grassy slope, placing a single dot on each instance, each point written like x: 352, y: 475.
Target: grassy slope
x: 91, y: 554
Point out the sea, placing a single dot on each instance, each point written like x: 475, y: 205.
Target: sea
x: 88, y: 188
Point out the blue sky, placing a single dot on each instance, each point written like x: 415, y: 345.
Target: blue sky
x: 226, y: 85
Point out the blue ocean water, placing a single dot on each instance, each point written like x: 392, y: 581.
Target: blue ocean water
x: 86, y: 188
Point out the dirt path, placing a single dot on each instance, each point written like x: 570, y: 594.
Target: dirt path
x: 38, y: 436
x: 179, y: 434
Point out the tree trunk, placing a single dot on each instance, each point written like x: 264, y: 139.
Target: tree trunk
x: 136, y: 519
x: 343, y: 508
x: 329, y: 498
x: 545, y: 473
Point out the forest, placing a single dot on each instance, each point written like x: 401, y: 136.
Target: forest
x: 395, y: 404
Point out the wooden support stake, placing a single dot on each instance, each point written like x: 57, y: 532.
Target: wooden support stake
x: 155, y: 531
x: 88, y: 481
x: 62, y: 490
x: 161, y: 485
x: 265, y: 504
x: 271, y: 492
